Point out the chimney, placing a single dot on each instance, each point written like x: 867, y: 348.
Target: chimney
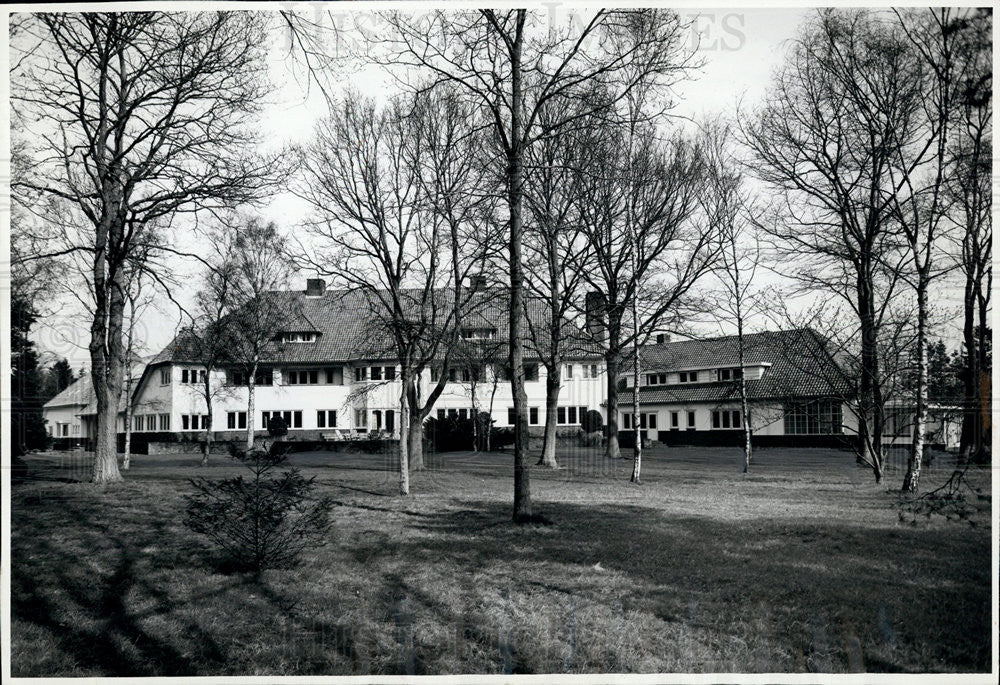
x: 477, y: 282
x: 662, y: 338
x: 596, y: 315
x: 315, y: 287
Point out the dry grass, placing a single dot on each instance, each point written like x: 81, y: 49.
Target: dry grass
x: 802, y: 566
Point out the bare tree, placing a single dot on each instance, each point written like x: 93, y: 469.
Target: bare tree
x: 739, y: 257
x: 258, y: 272
x: 825, y: 143
x: 555, y: 255
x: 650, y: 243
x: 511, y: 64
x: 207, y: 338
x: 141, y: 116
x: 400, y: 206
x: 968, y: 186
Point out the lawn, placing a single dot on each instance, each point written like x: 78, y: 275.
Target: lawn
x: 804, y: 565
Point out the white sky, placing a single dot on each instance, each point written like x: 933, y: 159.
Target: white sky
x: 740, y: 47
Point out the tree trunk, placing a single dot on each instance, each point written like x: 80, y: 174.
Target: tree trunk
x: 636, y: 373
x: 127, y: 456
x: 984, y: 424
x: 522, y: 473
x: 611, y: 362
x: 415, y: 443
x: 251, y: 388
x: 548, y: 458
x: 745, y: 409
x: 404, y: 433
x: 968, y: 442
x: 912, y: 479
x: 106, y: 349
x: 207, y: 447
x: 870, y: 404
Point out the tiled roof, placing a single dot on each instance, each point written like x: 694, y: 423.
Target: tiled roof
x: 800, y: 366
x: 350, y: 328
x: 79, y: 392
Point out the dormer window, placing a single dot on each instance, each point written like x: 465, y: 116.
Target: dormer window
x: 298, y: 337
x: 479, y: 333
x: 730, y: 374
x: 688, y: 377
x: 656, y: 379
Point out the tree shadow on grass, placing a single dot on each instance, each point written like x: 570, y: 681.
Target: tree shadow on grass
x: 841, y: 577
x: 87, y: 613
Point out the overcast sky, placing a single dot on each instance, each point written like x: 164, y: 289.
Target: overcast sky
x: 740, y: 47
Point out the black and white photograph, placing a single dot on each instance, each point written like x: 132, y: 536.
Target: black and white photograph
x: 464, y: 342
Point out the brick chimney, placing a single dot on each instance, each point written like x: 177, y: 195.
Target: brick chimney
x: 315, y: 287
x: 662, y: 338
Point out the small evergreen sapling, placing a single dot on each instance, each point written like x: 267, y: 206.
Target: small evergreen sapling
x: 263, y: 521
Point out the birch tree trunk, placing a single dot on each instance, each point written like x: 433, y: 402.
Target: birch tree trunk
x: 912, y: 479
x: 251, y: 387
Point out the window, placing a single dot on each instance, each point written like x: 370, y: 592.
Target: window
x: 568, y: 371
x: 262, y: 377
x: 590, y: 370
x: 360, y: 374
x: 463, y: 413
x: 164, y: 422
x: 377, y: 413
x: 511, y: 416
x: 647, y: 420
x: 236, y: 419
x: 184, y: 422
x: 656, y: 379
x: 727, y: 418
x: 821, y: 417
x: 326, y: 418
x: 675, y: 420
x: 390, y: 373
x: 440, y: 415
x: 570, y: 416
x: 165, y: 376
x: 479, y: 333
x: 730, y: 374
x: 302, y: 377
x: 533, y: 416
x: 376, y: 375
x: 204, y: 421
x: 466, y: 375
x: 137, y: 423
x: 305, y: 337
x: 530, y: 372
x: 335, y: 375
x: 184, y: 375
x: 691, y: 423
x: 688, y: 377
x: 390, y: 420
x: 65, y: 430
x: 898, y: 422
x: 360, y: 420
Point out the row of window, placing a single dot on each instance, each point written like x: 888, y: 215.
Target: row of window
x: 151, y: 422
x: 335, y: 375
x: 808, y: 418
x: 727, y: 374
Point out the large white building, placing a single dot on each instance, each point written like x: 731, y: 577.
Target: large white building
x: 331, y: 376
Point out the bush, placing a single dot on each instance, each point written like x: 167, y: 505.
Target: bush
x: 455, y: 434
x: 276, y: 427
x: 592, y: 421
x: 591, y: 439
x: 261, y: 521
